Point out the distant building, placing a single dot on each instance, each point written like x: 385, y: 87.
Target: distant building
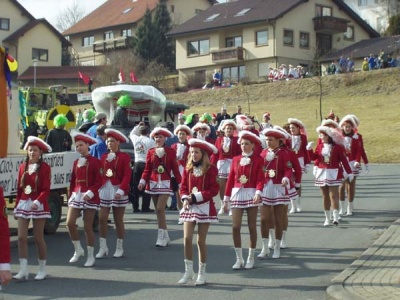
x: 243, y: 38
x: 111, y: 26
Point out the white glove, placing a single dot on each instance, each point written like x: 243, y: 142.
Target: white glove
x: 306, y: 169
x: 309, y: 145
x: 366, y: 169
x: 356, y: 164
x: 285, y: 181
x: 350, y: 177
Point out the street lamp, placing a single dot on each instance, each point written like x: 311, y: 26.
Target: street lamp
x: 35, y: 61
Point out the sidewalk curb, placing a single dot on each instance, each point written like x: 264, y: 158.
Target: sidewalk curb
x: 337, y: 290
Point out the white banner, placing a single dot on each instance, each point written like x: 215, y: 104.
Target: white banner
x: 60, y: 164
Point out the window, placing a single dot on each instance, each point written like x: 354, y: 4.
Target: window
x: 233, y: 74
x: 242, y: 12
x: 200, y: 47
x: 4, y: 24
x: 126, y: 32
x: 288, y: 37
x: 262, y: 38
x: 304, y: 41
x: 109, y: 35
x: 87, y: 41
x: 349, y: 34
x: 211, y: 18
x: 40, y: 54
x: 321, y: 11
x: 362, y: 2
x: 233, y: 42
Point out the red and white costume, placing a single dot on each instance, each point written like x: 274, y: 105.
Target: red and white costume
x: 298, y: 144
x: 116, y: 175
x: 85, y: 180
x: 4, y: 235
x: 36, y: 189
x: 182, y: 149
x: 203, y: 186
x: 160, y: 164
x: 329, y: 161
x: 353, y: 145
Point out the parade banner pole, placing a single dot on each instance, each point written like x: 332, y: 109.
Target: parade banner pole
x: 3, y: 105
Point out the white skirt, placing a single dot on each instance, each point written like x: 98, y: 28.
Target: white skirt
x: 224, y: 167
x: 23, y: 210
x: 197, y: 213
x: 107, y: 196
x: 292, y: 193
x: 274, y: 194
x: 161, y: 187
x: 76, y: 201
x: 243, y: 198
x: 327, y: 177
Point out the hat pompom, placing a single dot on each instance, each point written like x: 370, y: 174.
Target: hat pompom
x: 124, y: 101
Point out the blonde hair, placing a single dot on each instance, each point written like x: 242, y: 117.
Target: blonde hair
x: 205, y: 161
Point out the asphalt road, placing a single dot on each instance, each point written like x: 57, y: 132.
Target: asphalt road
x: 315, y: 255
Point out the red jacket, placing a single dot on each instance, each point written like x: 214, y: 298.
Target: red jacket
x: 302, y: 151
x: 87, y: 178
x: 121, y: 170
x: 234, y: 149
x: 277, y: 168
x: 40, y: 188
x: 337, y: 160
x: 4, y: 235
x: 354, y: 149
x: 185, y: 155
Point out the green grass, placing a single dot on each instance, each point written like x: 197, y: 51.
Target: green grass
x: 374, y: 97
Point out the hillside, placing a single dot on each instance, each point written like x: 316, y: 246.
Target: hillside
x: 373, y: 96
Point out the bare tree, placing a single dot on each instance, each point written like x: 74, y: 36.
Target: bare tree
x: 70, y: 16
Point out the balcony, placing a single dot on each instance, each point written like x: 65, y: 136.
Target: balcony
x: 227, y: 54
x: 330, y: 25
x: 119, y: 43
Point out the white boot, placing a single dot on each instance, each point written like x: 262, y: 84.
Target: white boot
x: 103, y: 251
x: 265, y: 250
x: 23, y: 269
x: 221, y: 210
x: 250, y: 259
x: 350, y: 209
x: 239, y: 259
x: 78, y: 251
x: 160, y: 237
x: 294, y: 206
x: 277, y: 249
x: 335, y: 217
x: 41, y: 271
x: 166, y: 238
x: 189, y: 274
x: 327, y: 219
x: 271, y: 242
x: 119, y: 250
x: 201, y: 276
x: 341, y: 208
x: 283, y: 240
x: 298, y: 208
x: 90, y: 257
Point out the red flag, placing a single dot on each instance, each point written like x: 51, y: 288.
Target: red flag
x: 121, y: 75
x: 133, y: 77
x: 85, y: 78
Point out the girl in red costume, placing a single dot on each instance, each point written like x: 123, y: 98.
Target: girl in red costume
x: 243, y: 192
x: 202, y: 132
x: 33, y: 190
x: 228, y: 147
x: 328, y: 170
x: 84, y: 196
x: 160, y: 164
x: 199, y: 186
x: 116, y: 175
x: 353, y: 148
x: 298, y: 144
x: 5, y: 268
x: 181, y: 148
x: 278, y: 171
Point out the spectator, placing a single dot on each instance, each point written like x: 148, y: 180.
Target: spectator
x: 192, y: 120
x: 238, y: 112
x: 223, y: 115
x: 342, y: 65
x: 364, y: 65
x: 181, y: 118
x: 332, y: 68
x: 88, y: 116
x: 383, y: 59
x: 121, y: 114
x: 217, y: 78
x: 58, y: 138
x: 371, y: 62
x: 99, y: 118
x: 350, y: 65
x: 98, y: 149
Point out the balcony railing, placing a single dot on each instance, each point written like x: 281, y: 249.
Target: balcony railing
x: 122, y: 42
x: 227, y: 54
x: 330, y: 25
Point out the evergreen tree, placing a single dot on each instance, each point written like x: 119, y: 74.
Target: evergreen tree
x: 394, y: 26
x: 163, y: 45
x: 144, y: 42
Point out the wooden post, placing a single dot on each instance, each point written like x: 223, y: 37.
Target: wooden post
x: 3, y: 106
